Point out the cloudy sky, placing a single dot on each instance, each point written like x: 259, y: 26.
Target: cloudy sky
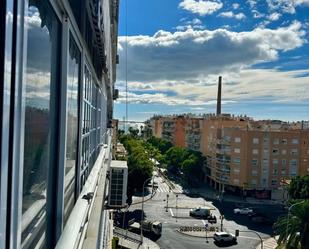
x: 176, y: 49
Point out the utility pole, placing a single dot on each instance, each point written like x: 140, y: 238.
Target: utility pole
x: 166, y: 202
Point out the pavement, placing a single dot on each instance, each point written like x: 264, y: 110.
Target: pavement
x: 270, y: 243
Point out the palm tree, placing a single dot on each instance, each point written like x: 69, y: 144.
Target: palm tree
x: 293, y: 230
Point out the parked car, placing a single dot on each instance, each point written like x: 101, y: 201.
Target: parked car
x: 243, y: 211
x: 200, y: 212
x: 224, y: 237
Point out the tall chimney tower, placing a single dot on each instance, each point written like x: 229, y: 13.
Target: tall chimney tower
x: 219, y: 96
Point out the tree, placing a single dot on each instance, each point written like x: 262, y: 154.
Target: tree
x: 174, y: 158
x: 294, y: 230
x: 299, y: 187
x: 133, y: 132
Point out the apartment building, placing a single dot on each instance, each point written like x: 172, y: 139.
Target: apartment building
x: 193, y: 133
x: 251, y: 156
x: 173, y: 129
x: 242, y: 155
x: 57, y: 73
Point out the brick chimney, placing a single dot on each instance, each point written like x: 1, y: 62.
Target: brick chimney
x: 219, y: 96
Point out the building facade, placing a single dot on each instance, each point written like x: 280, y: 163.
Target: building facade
x: 57, y: 74
x: 242, y: 155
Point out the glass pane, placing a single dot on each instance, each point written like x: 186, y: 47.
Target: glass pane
x: 41, y: 78
x: 72, y: 126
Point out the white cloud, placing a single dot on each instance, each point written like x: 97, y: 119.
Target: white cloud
x: 286, y: 6
x: 192, y: 24
x: 192, y: 54
x: 274, y: 16
x: 230, y: 14
x: 257, y: 14
x: 235, y: 6
x: 182, y: 67
x: 201, y: 7
x: 252, y: 3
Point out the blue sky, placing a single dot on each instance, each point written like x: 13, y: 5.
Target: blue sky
x: 176, y: 49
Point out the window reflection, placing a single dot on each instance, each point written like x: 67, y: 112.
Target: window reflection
x: 72, y: 126
x: 41, y: 78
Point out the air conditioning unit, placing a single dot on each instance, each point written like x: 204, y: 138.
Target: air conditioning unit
x: 117, y: 196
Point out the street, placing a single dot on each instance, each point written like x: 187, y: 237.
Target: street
x: 176, y: 215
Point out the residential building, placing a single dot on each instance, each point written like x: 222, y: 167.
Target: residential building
x: 193, y: 133
x: 57, y: 73
x: 173, y: 130
x: 242, y: 155
x: 245, y: 155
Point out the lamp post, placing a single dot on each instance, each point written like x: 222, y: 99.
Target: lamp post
x: 221, y: 218
x: 166, y: 202
x: 176, y: 207
x: 287, y: 223
x: 142, y: 216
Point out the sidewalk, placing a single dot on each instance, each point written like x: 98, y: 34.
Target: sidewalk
x: 147, y: 244
x: 270, y: 243
x: 209, y: 193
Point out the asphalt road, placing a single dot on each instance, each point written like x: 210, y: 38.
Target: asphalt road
x: 173, y: 218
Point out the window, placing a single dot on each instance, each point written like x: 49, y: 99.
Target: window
x: 237, y: 140
x: 253, y: 181
x: 236, y: 160
x: 254, y: 172
x: 255, y: 141
x: 265, y: 151
x: 283, y: 162
x: 41, y: 105
x: 92, y: 130
x: 275, y: 151
x: 284, y: 141
x: 236, y: 181
x: 293, y: 162
x: 294, y: 141
x: 254, y: 162
x: 236, y: 150
x: 275, y: 162
x: 274, y: 182
x: 72, y: 126
x: 276, y: 141
x: 294, y: 152
x: 283, y: 152
x: 275, y: 171
x: 236, y: 171
x: 283, y: 172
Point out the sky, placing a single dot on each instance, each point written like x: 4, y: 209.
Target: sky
x: 172, y: 52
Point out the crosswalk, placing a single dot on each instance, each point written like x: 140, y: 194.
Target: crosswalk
x: 163, y: 188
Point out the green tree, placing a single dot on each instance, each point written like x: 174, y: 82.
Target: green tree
x: 133, y: 132
x: 294, y: 230
x: 174, y: 158
x: 299, y: 187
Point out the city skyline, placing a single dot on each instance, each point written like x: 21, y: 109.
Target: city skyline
x: 174, y: 61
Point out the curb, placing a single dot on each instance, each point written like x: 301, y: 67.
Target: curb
x: 139, y: 202
x: 192, y: 235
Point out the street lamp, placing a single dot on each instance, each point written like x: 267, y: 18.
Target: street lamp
x: 176, y: 207
x: 287, y: 223
x: 142, y: 216
x: 166, y: 202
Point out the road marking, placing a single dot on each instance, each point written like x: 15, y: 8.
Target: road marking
x: 204, y: 222
x: 172, y: 212
x: 247, y: 237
